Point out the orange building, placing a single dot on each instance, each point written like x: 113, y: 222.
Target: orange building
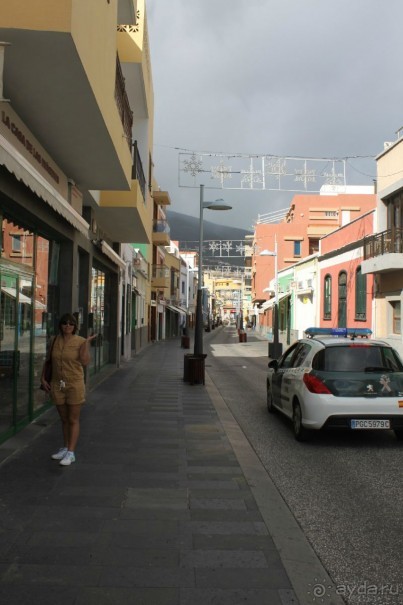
x: 309, y: 218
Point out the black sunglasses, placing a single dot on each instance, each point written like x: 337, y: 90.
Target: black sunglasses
x: 68, y: 323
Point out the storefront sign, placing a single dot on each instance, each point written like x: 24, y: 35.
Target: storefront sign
x: 27, y: 141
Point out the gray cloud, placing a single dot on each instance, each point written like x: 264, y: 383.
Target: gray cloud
x: 284, y: 77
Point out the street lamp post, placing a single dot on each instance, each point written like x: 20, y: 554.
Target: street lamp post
x: 217, y: 205
x: 240, y: 300
x: 242, y: 333
x: 241, y: 307
x: 275, y: 347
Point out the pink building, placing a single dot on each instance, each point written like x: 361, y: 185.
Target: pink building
x: 345, y: 292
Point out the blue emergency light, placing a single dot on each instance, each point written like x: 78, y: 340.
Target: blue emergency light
x: 343, y: 332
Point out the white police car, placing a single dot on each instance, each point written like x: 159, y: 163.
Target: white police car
x: 338, y: 379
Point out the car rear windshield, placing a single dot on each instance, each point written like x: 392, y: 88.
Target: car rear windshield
x: 357, y: 358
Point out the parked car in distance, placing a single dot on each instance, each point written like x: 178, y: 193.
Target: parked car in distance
x: 338, y: 380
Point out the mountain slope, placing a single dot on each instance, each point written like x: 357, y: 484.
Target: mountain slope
x: 186, y: 228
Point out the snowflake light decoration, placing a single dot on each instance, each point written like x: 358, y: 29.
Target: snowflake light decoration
x: 240, y: 249
x: 227, y: 247
x: 194, y: 165
x: 262, y: 172
x: 214, y: 246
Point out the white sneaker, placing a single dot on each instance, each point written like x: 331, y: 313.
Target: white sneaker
x: 60, y: 454
x: 68, y: 459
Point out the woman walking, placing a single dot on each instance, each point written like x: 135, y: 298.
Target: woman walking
x: 69, y: 354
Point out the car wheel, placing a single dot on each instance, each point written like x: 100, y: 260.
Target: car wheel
x: 300, y: 432
x: 270, y: 407
x: 399, y: 434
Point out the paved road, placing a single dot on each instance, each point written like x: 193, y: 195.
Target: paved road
x: 345, y: 489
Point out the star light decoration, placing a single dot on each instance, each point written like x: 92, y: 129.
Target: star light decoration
x: 221, y: 172
x: 334, y: 178
x: 305, y: 175
x: 251, y: 176
x: 275, y: 167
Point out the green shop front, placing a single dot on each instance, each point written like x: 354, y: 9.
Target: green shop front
x: 48, y: 266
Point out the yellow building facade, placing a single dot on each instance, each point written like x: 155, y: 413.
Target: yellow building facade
x: 76, y: 186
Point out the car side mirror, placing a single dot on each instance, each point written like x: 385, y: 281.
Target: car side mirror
x: 273, y: 364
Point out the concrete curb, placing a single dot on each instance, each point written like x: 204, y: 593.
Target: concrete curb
x: 309, y: 579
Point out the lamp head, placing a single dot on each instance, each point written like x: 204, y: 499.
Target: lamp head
x: 217, y: 205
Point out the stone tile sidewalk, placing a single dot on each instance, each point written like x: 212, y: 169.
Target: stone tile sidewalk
x: 156, y: 510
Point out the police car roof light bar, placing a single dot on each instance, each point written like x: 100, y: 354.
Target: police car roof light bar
x: 342, y: 332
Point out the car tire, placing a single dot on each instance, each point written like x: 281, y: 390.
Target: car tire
x: 300, y: 432
x: 399, y: 434
x: 270, y: 407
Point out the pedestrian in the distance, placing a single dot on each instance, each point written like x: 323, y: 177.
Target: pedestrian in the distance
x: 69, y: 354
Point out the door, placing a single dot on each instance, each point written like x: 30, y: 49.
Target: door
x: 279, y: 379
x: 99, y: 320
x: 342, y: 300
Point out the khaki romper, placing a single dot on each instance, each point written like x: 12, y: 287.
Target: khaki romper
x: 67, y: 367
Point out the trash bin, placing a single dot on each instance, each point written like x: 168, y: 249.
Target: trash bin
x: 242, y: 337
x: 194, y: 368
x: 186, y: 366
x: 197, y: 369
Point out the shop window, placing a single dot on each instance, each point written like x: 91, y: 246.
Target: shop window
x: 360, y: 295
x: 327, y: 299
x: 313, y: 245
x: 16, y: 243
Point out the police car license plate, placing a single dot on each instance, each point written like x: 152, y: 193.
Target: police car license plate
x: 374, y: 423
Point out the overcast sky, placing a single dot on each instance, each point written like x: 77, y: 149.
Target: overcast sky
x: 308, y: 78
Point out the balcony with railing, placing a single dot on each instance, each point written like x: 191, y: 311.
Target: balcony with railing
x: 160, y: 276
x: 137, y: 171
x: 380, y: 251
x: 125, y: 213
x: 122, y: 102
x: 161, y: 198
x: 74, y: 44
x: 161, y: 231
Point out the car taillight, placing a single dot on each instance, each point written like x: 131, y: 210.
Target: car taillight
x: 315, y: 385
